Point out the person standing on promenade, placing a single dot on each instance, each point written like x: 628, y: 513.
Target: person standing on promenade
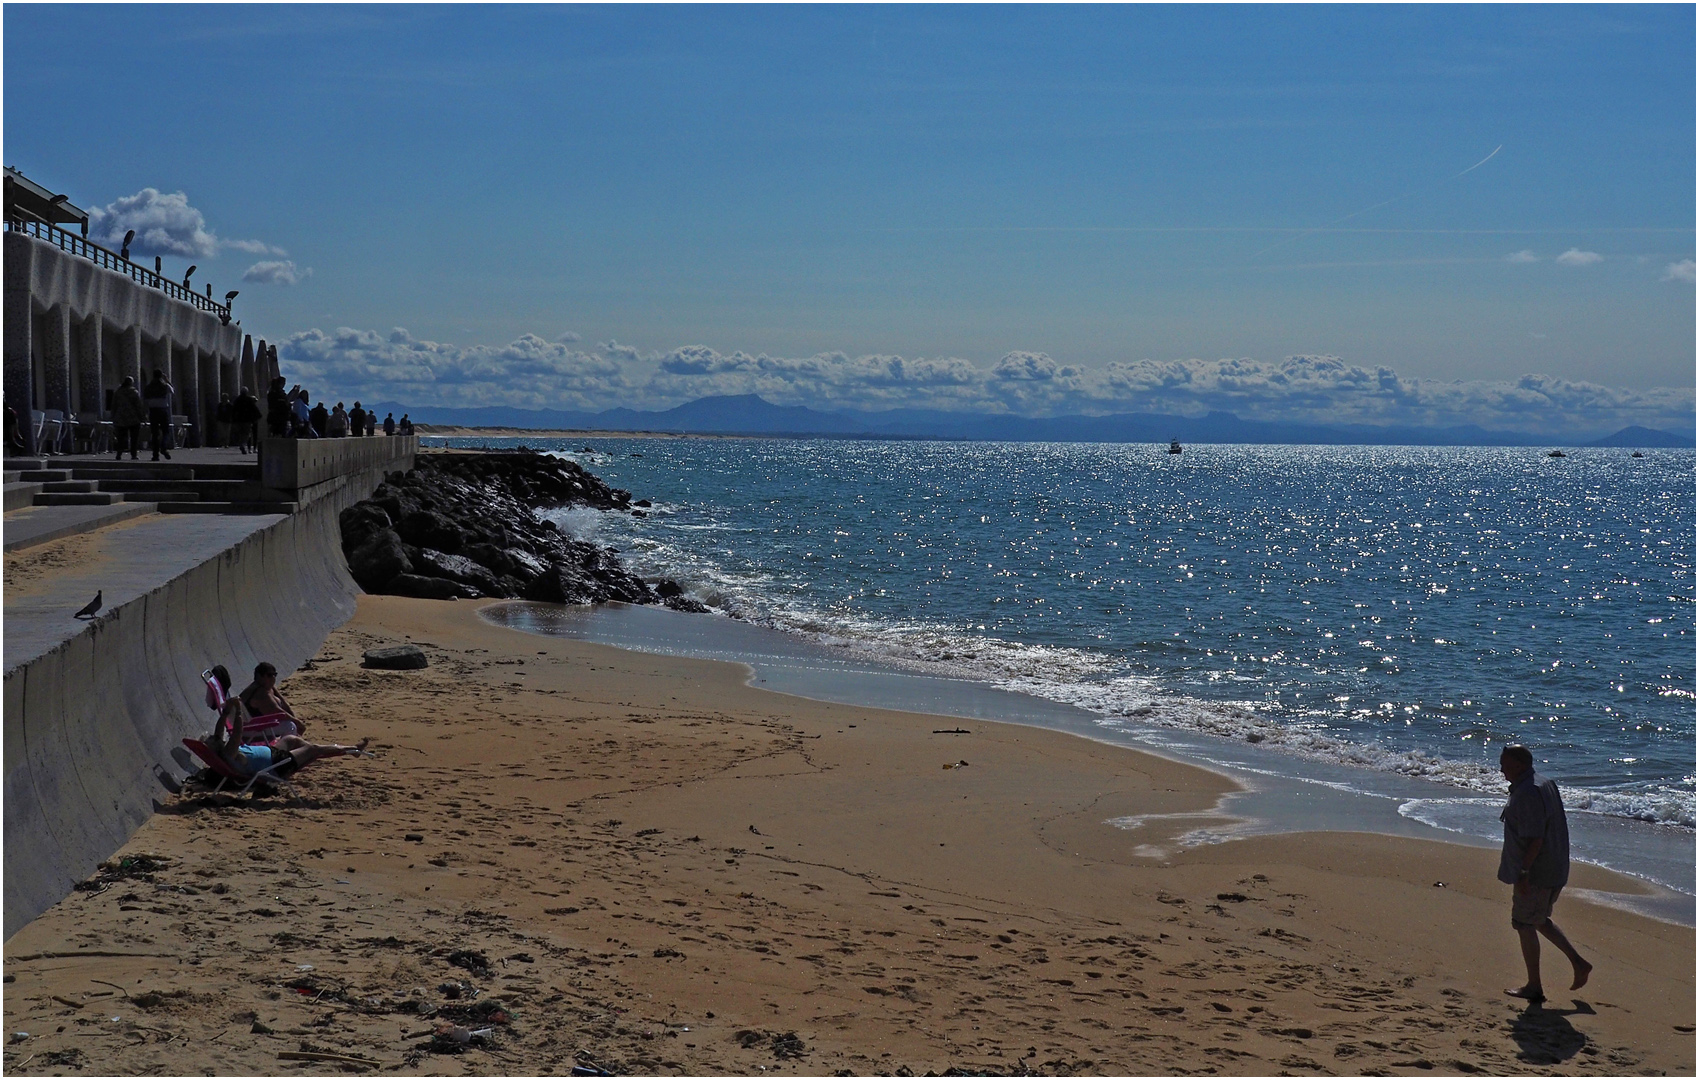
x: 356, y: 420
x: 222, y: 417
x: 277, y: 409
x: 246, y: 410
x: 302, y: 425
x: 157, y: 396
x: 389, y: 424
x: 337, y: 426
x: 1535, y: 862
x: 128, y: 412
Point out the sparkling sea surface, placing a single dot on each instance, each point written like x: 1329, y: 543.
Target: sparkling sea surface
x: 1396, y: 609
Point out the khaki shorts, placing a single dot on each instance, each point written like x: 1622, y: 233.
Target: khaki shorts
x: 1531, y: 907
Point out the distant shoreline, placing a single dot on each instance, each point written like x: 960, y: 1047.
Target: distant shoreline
x: 456, y: 431
x: 464, y: 431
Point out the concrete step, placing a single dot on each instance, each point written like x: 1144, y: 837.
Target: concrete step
x: 133, y: 471
x: 226, y: 507
x: 228, y: 472
x: 76, y: 498
x: 12, y: 475
x: 62, y: 486
x: 158, y: 496
x: 206, y: 488
x: 19, y: 494
x: 23, y: 463
x: 44, y: 475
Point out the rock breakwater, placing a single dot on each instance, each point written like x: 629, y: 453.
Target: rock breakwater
x: 463, y: 526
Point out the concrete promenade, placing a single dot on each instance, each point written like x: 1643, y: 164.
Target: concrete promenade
x: 94, y: 709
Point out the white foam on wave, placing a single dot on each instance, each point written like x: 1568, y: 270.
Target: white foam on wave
x: 1093, y: 681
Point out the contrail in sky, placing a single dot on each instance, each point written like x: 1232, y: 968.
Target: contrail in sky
x: 1481, y: 162
x: 1366, y: 209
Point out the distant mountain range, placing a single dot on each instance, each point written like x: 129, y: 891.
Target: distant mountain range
x: 749, y: 414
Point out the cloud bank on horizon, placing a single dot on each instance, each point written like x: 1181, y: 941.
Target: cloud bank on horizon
x: 534, y: 373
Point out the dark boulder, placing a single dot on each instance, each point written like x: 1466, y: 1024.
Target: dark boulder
x: 666, y: 590
x: 686, y: 604
x: 359, y: 522
x: 379, y: 561
x: 430, y: 529
x: 490, y: 557
x: 429, y: 588
x: 565, y: 583
x: 525, y: 564
x: 433, y: 563
x: 559, y: 584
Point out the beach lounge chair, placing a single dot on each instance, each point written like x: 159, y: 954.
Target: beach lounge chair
x: 228, y: 775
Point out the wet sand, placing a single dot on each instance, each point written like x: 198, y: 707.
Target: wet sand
x: 641, y: 863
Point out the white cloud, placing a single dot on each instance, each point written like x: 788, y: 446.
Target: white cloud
x: 1523, y: 256
x: 614, y: 348
x: 164, y: 224
x: 282, y: 272
x: 569, y: 338
x: 533, y: 373
x: 1577, y: 257
x: 254, y: 247
x: 1679, y: 271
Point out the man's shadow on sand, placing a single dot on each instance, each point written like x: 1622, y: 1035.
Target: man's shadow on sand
x: 1546, y: 1035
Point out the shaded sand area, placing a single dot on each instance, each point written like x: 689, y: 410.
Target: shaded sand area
x: 641, y: 863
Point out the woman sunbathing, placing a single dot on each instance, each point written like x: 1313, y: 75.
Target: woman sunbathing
x: 289, y: 752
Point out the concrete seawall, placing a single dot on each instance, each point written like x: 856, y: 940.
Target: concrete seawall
x: 90, y: 716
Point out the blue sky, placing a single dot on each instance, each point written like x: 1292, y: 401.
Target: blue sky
x: 1096, y: 186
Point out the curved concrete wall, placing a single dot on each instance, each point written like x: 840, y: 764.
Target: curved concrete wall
x: 86, y: 723
x: 86, y: 307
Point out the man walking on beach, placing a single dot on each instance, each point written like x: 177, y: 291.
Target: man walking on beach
x: 1536, y: 863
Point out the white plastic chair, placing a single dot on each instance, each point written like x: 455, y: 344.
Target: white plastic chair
x: 48, y: 435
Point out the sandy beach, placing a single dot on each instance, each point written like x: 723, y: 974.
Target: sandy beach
x: 640, y: 864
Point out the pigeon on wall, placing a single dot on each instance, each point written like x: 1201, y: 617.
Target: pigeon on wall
x: 90, y: 608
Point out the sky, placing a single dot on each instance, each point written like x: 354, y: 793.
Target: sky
x: 1384, y: 213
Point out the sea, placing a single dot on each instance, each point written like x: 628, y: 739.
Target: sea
x: 1352, y: 632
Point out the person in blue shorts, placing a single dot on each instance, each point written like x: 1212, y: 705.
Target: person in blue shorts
x: 289, y: 753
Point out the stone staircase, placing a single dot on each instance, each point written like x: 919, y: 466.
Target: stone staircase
x: 173, y: 488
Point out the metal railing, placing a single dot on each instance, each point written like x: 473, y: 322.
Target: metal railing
x: 76, y: 245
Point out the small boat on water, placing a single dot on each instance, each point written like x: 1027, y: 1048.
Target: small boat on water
x: 1637, y: 454
x: 1174, y: 447
x: 1557, y: 453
